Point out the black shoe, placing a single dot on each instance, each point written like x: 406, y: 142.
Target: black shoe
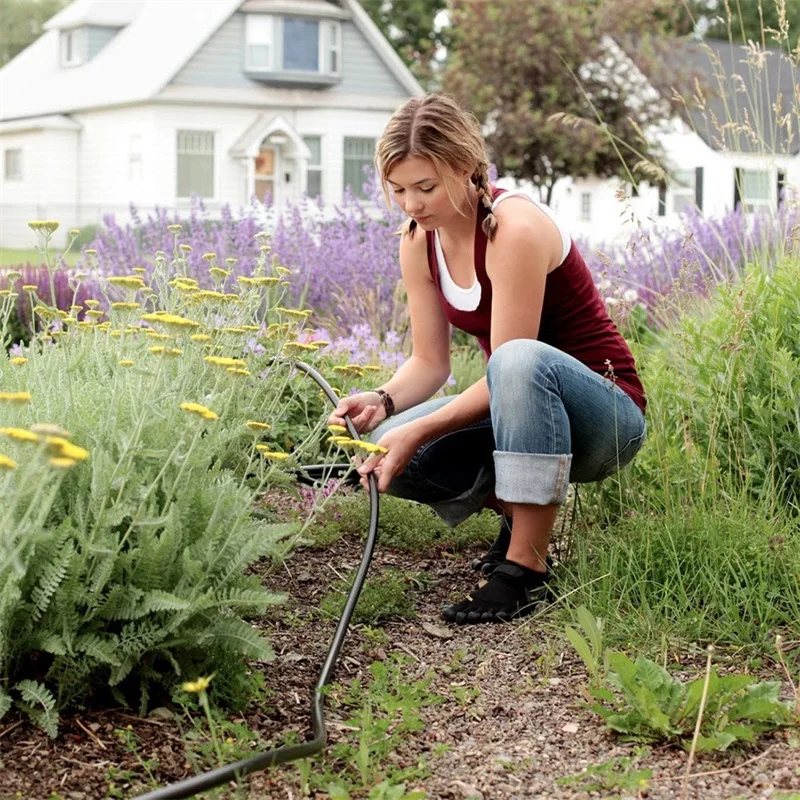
x: 512, y: 591
x: 497, y: 552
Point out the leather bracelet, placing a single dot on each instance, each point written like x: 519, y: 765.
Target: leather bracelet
x: 386, y: 399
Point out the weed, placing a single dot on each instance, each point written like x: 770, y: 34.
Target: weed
x: 616, y: 774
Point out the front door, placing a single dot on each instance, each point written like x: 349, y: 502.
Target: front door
x: 265, y: 175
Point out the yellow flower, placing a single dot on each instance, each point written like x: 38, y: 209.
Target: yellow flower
x: 19, y: 398
x: 186, y: 248
x: 346, y: 443
x: 337, y: 429
x: 127, y: 281
x: 159, y: 337
x: 208, y: 256
x: 63, y: 448
x: 5, y: 292
x: 61, y: 462
x: 371, y: 368
x: 221, y: 361
x: 201, y: 411
x: 29, y: 287
x: 174, y: 228
x: 19, y: 434
x: 155, y: 350
x: 47, y: 225
x: 218, y: 272
x: 74, y: 231
x: 94, y: 314
x: 272, y: 455
x: 283, y: 271
x: 49, y: 429
x: 139, y: 271
x: 7, y: 463
x: 200, y: 337
x: 126, y: 362
x: 130, y: 306
x: 349, y: 369
x: 195, y: 687
x: 320, y: 343
x: 207, y: 294
x: 293, y: 346
x: 92, y: 303
x: 90, y: 251
x: 170, y: 320
x: 255, y: 328
x: 238, y: 371
x: 293, y: 313
x: 231, y: 261
x: 19, y: 360
x: 258, y: 426
x: 231, y: 330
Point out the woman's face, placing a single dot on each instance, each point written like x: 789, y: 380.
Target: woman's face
x: 420, y: 191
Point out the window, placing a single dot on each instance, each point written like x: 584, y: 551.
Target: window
x: 300, y: 44
x: 135, y: 167
x: 265, y: 174
x: 73, y: 47
x: 358, y: 154
x: 756, y: 188
x: 314, y: 174
x: 683, y: 190
x: 195, y: 163
x: 260, y: 42
x: 586, y: 206
x: 292, y: 44
x: 12, y: 165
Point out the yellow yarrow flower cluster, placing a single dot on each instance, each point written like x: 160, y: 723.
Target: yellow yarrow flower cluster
x: 59, y: 447
x: 272, y: 455
x: 218, y: 272
x: 258, y: 426
x: 159, y: 350
x: 295, y: 346
x: 170, y: 320
x: 200, y: 411
x: 126, y: 362
x: 18, y: 398
x: 18, y: 361
x: 7, y: 463
x: 346, y: 443
x: 127, y: 281
x: 354, y: 370
x: 221, y: 361
x: 19, y: 434
x: 258, y: 280
x: 46, y: 225
x: 238, y: 371
x: 126, y: 306
x: 200, y: 337
x: 294, y: 313
x: 337, y: 429
x: 195, y: 687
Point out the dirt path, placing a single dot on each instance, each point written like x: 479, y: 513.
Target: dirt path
x: 510, y: 724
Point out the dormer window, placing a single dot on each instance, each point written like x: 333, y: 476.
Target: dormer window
x: 73, y: 47
x: 293, y: 48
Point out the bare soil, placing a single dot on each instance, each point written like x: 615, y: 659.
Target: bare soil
x: 523, y: 728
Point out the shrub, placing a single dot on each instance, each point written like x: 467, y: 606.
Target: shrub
x: 121, y: 564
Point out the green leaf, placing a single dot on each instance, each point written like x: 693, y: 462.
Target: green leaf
x: 39, y: 695
x: 707, y: 744
x: 5, y: 702
x: 582, y: 648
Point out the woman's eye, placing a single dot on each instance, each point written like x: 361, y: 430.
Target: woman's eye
x: 429, y: 189
x: 398, y: 191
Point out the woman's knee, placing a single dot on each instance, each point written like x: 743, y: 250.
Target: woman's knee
x: 517, y: 366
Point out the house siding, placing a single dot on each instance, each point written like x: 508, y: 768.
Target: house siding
x: 97, y: 38
x: 220, y: 62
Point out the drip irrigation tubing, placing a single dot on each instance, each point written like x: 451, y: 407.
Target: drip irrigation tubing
x: 280, y: 755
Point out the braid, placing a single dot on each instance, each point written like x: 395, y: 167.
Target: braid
x: 481, y: 180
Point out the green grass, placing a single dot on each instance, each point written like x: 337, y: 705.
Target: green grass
x: 13, y: 258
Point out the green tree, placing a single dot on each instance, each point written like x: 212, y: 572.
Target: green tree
x: 743, y: 20
x: 410, y: 27
x: 21, y: 24
x: 557, y: 96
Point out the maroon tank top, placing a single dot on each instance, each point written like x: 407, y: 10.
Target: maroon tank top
x: 574, y: 318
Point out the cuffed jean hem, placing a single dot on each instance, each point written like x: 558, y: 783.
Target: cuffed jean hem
x: 534, y: 478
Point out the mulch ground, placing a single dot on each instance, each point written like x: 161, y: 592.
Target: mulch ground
x: 523, y: 728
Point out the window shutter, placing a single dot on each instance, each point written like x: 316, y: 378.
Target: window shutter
x: 781, y: 185
x: 737, y: 186
x: 662, y: 200
x: 698, y: 187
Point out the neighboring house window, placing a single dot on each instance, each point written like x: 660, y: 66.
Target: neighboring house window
x: 756, y: 189
x: 683, y: 190
x: 314, y: 173
x: 292, y: 44
x: 135, y: 158
x: 12, y: 165
x: 73, y: 47
x: 195, y: 163
x: 358, y: 154
x: 586, y: 206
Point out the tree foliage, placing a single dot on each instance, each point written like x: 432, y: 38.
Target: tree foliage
x: 22, y: 23
x: 410, y: 27
x: 743, y: 20
x: 516, y: 65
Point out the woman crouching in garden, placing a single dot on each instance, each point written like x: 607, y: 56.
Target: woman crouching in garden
x: 561, y: 400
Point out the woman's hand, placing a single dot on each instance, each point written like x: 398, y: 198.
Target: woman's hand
x: 401, y: 442
x: 365, y: 409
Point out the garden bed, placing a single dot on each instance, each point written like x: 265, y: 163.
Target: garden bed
x: 500, y: 706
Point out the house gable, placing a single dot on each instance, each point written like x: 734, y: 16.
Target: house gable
x: 220, y: 62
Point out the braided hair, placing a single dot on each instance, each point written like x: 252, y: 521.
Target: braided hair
x: 437, y: 128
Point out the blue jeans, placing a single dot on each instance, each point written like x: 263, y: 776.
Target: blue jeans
x: 552, y: 420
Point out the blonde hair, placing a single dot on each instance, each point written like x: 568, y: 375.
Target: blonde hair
x: 437, y: 128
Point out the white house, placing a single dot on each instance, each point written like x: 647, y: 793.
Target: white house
x: 714, y: 162
x: 152, y: 101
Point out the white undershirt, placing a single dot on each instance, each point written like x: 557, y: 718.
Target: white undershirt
x: 469, y: 299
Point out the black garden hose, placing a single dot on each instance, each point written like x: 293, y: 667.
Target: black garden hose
x: 280, y: 755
